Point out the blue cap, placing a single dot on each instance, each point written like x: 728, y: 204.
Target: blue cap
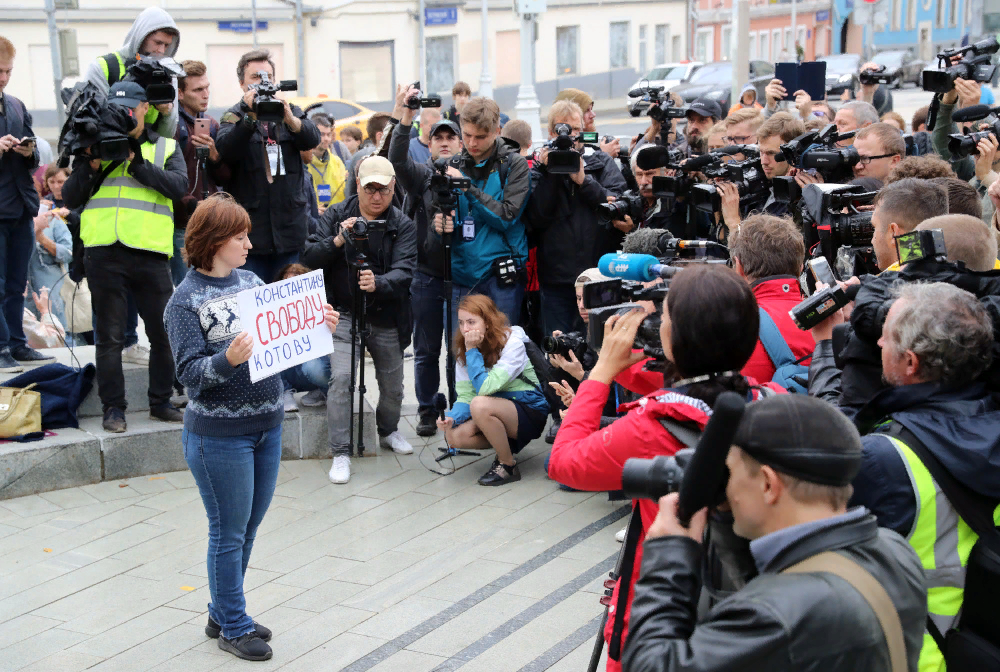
x: 128, y: 94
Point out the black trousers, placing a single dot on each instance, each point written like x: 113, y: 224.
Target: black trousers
x: 112, y: 271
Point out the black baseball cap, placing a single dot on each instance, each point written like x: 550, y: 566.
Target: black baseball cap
x: 705, y: 107
x: 448, y: 124
x: 801, y: 436
x: 129, y: 94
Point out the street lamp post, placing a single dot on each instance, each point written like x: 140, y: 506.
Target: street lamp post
x: 485, y: 81
x: 527, y: 107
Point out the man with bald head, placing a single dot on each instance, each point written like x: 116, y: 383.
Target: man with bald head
x: 420, y: 145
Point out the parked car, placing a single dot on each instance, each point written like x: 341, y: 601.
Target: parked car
x: 715, y: 80
x: 841, y: 73
x: 667, y: 75
x: 902, y: 66
x: 344, y: 112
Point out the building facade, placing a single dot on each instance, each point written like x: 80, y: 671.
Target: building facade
x: 771, y: 37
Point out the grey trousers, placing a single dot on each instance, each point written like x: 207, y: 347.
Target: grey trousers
x: 383, y: 344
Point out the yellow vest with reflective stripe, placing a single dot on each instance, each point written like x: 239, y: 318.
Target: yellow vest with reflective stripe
x: 943, y: 542
x: 126, y: 211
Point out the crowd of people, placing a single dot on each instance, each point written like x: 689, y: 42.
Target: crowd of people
x: 450, y: 226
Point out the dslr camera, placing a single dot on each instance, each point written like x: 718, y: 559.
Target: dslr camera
x: 630, y: 203
x: 563, y: 157
x: 267, y: 106
x: 843, y: 219
x: 617, y: 297
x: 878, y: 75
x: 357, y: 248
x: 563, y: 344
x: 416, y: 102
x: 155, y: 76
x: 976, y: 64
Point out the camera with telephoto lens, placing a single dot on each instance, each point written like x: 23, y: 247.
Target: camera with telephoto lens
x: 655, y: 477
x: 842, y: 215
x: 964, y: 144
x: 877, y: 75
x: 605, y: 298
x: 415, y: 102
x: 976, y: 65
x: 93, y: 127
x: 155, y: 75
x: 629, y: 203
x: 266, y: 105
x: 563, y: 344
x: 748, y: 176
x: 563, y: 156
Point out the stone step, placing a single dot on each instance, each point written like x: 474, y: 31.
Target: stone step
x: 72, y: 457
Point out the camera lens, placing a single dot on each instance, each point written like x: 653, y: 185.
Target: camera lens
x: 550, y: 345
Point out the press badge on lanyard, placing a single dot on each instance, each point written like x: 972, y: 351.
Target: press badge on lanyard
x: 274, y: 158
x: 323, y: 193
x: 468, y: 228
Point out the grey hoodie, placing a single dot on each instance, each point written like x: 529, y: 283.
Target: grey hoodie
x: 149, y: 21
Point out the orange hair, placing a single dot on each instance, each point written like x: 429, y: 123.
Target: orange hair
x: 497, y: 327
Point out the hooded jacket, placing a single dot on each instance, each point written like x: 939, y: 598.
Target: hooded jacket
x: 755, y: 104
x: 149, y: 21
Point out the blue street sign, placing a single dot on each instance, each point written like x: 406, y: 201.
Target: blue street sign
x: 440, y: 16
x: 241, y: 26
x: 822, y: 15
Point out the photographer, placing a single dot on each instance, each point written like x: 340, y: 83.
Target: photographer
x: 656, y: 213
x: 965, y: 94
x: 708, y: 332
x: 267, y: 170
x: 790, y: 470
x: 701, y: 115
x: 427, y: 288
x: 877, y: 94
x: 127, y: 229
x: 881, y: 148
x: 391, y: 251
x: 781, y: 128
x: 491, y: 249
x: 562, y: 214
x: 153, y: 33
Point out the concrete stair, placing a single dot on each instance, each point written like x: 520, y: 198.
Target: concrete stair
x: 72, y: 457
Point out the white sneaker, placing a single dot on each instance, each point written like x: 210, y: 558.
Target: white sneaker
x: 397, y: 443
x: 136, y: 354
x: 620, y: 535
x: 340, y: 472
x: 289, y: 400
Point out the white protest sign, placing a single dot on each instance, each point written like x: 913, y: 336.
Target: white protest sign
x: 286, y: 322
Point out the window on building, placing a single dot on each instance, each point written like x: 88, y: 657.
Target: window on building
x: 753, y: 46
x: 726, y: 46
x: 704, y: 49
x: 789, y: 43
x: 440, y: 63
x: 801, y: 38
x: 776, y: 45
x: 764, y: 46
x: 566, y: 50
x: 897, y: 13
x: 619, y: 44
x: 911, y: 15
x: 643, y: 65
x: 676, y: 48
x: 952, y: 12
x: 940, y: 13
x: 660, y: 43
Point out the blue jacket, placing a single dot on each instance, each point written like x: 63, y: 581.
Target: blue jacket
x: 18, y: 198
x: 960, y: 427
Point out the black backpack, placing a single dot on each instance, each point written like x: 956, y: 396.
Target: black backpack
x: 540, y: 363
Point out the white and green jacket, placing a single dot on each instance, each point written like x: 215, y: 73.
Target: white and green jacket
x: 512, y: 377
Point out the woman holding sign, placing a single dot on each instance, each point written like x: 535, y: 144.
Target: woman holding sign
x: 232, y: 427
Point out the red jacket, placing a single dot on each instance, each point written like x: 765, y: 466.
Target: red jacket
x: 777, y: 295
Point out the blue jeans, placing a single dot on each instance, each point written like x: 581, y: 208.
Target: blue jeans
x: 17, y: 238
x: 236, y: 476
x: 508, y: 299
x: 559, y: 309
x: 427, y: 302
x: 266, y: 266
x: 308, y: 376
x: 178, y: 269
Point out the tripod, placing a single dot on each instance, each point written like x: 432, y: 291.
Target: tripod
x: 359, y: 333
x: 202, y: 154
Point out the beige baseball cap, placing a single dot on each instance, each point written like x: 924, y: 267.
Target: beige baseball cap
x: 376, y: 169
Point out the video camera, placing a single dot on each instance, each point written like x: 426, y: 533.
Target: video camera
x: 629, y: 203
x: 563, y: 157
x: 416, y: 102
x: 444, y: 188
x: 748, y: 176
x: 266, y: 105
x: 964, y: 144
x: 845, y: 229
x: 877, y: 75
x: 617, y: 297
x: 976, y: 65
x: 661, y: 105
x: 91, y: 123
x: 155, y: 75
x: 816, y: 150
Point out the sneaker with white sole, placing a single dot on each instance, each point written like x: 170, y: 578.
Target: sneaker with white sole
x: 288, y: 398
x: 136, y: 354
x: 397, y: 443
x: 620, y: 535
x: 313, y: 399
x: 340, y: 472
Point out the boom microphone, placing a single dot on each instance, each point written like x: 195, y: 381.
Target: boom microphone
x: 638, y: 267
x: 440, y: 404
x: 973, y: 113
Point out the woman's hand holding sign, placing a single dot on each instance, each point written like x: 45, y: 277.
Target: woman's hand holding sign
x: 240, y: 349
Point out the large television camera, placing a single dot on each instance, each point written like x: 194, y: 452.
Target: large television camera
x: 661, y: 105
x: 93, y: 127
x: 266, y: 105
x: 964, y: 144
x: 748, y: 176
x: 975, y: 64
x: 155, y: 75
x: 817, y: 151
x: 563, y: 156
x: 842, y: 215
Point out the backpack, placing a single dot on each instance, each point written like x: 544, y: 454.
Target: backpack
x: 540, y: 363
x: 789, y: 372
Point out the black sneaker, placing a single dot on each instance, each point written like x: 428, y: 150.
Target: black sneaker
x: 550, y: 436
x: 166, y: 412
x: 114, y: 420
x: 7, y: 363
x: 26, y: 354
x: 499, y: 474
x: 247, y: 647
x: 213, y: 630
x: 427, y: 425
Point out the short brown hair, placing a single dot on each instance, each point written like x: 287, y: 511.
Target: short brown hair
x: 482, y: 112
x: 352, y: 132
x: 963, y: 199
x: 909, y: 201
x: 253, y: 57
x: 52, y: 170
x: 216, y: 219
x: 560, y: 110
x: 7, y: 50
x: 461, y: 89
x: 816, y: 124
x: 922, y: 167
x: 192, y: 69
x: 897, y: 117
x: 782, y: 124
x: 376, y: 124
x: 767, y: 245
x: 967, y: 239
x: 519, y: 131
x: 888, y: 136
x: 919, y: 118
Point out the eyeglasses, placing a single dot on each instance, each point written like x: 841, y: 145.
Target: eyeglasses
x: 372, y: 189
x: 736, y: 139
x: 865, y: 160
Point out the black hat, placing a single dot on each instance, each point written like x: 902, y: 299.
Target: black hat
x: 801, y: 436
x: 445, y: 123
x: 705, y: 107
x: 129, y: 94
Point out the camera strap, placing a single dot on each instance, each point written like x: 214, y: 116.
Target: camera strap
x: 103, y: 176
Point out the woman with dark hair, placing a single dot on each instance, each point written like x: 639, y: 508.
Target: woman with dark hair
x: 708, y: 331
x: 232, y: 427
x: 500, y: 403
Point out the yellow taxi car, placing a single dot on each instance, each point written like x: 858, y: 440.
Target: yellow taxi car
x: 344, y: 112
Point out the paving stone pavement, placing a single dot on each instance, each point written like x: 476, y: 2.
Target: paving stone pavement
x: 400, y: 569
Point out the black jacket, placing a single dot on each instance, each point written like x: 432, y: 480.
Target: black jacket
x: 803, y: 622
x: 393, y: 256
x: 19, y: 199
x: 562, y: 218
x: 415, y: 179
x: 278, y: 211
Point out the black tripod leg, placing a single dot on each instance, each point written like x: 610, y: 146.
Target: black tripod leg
x: 350, y: 427
x: 595, y: 656
x: 363, y: 328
